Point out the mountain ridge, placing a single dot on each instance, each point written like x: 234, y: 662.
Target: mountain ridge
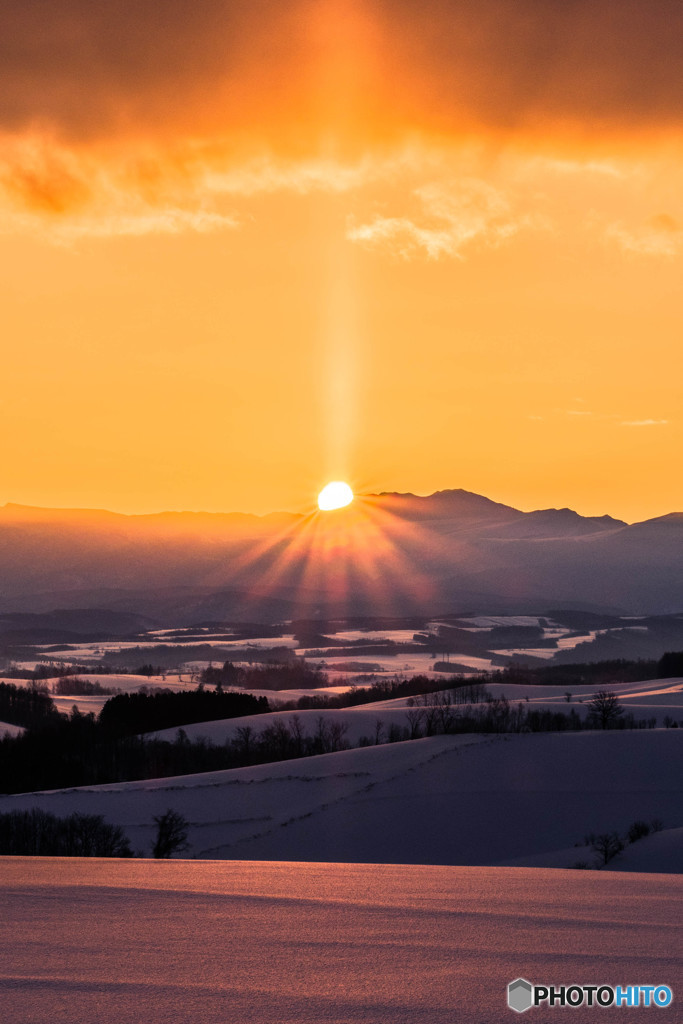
x: 392, y: 552
x: 18, y: 511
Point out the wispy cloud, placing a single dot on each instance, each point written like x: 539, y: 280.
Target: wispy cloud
x: 450, y: 217
x: 576, y: 167
x: 644, y: 423
x: 67, y: 192
x: 412, y: 200
x: 268, y: 175
x: 64, y: 194
x: 660, y: 236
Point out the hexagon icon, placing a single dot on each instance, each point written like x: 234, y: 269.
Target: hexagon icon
x: 520, y: 995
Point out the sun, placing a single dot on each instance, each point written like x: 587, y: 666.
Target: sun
x: 336, y: 494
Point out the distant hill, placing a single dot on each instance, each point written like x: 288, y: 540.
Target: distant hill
x: 394, y: 554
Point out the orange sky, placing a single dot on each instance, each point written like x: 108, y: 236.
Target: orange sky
x: 248, y: 248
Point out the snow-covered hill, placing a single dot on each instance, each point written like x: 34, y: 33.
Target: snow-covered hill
x: 443, y: 800
x: 120, y: 942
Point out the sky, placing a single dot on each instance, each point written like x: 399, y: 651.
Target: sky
x: 249, y: 248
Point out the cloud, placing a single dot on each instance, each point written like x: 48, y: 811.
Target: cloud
x: 113, y: 222
x: 68, y: 194
x: 321, y: 174
x: 660, y: 236
x: 644, y: 423
x: 70, y: 191
x: 450, y: 217
x: 92, y: 70
x: 581, y: 67
x: 157, y: 116
x: 565, y: 167
x: 290, y: 74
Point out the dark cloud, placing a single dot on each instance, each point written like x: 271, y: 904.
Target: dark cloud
x: 604, y: 64
x: 93, y: 69
x: 90, y: 68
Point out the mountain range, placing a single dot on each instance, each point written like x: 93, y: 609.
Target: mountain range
x: 390, y: 553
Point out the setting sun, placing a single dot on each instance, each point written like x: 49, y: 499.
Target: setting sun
x: 336, y: 494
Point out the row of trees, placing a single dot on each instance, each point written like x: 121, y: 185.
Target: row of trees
x: 29, y: 707
x: 75, y: 686
x: 37, y: 833
x: 132, y: 713
x: 41, y: 834
x: 435, y: 713
x: 80, y: 751
x: 463, y: 690
x: 608, y: 845
x: 670, y: 665
x: 295, y: 674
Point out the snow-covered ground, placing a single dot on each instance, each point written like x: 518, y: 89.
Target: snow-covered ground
x: 402, y: 664
x: 120, y: 942
x: 123, y: 682
x: 342, y: 664
x: 86, y: 705
x: 397, y: 636
x: 443, y: 800
x: 6, y: 728
x: 95, y: 649
x: 356, y: 722
x: 655, y: 699
x: 286, y: 696
x: 625, y: 691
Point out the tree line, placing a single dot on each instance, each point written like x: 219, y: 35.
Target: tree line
x: 38, y: 833
x: 131, y: 713
x: 82, y: 751
x: 26, y: 706
x: 294, y: 675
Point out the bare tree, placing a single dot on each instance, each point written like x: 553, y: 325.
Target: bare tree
x: 338, y: 740
x: 297, y: 731
x: 605, y: 709
x: 322, y: 735
x: 172, y: 832
x: 415, y: 716
x: 638, y: 830
x: 244, y: 737
x: 430, y: 716
x: 607, y: 846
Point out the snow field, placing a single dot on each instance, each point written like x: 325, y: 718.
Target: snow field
x: 119, y: 942
x: 443, y: 800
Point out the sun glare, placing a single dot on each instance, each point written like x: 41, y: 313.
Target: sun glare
x: 334, y: 495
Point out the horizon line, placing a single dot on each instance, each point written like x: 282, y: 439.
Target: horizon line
x: 98, y: 510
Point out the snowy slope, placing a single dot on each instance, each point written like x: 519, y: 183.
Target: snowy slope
x: 120, y: 942
x: 655, y: 699
x: 7, y: 728
x: 357, y: 722
x: 444, y: 800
